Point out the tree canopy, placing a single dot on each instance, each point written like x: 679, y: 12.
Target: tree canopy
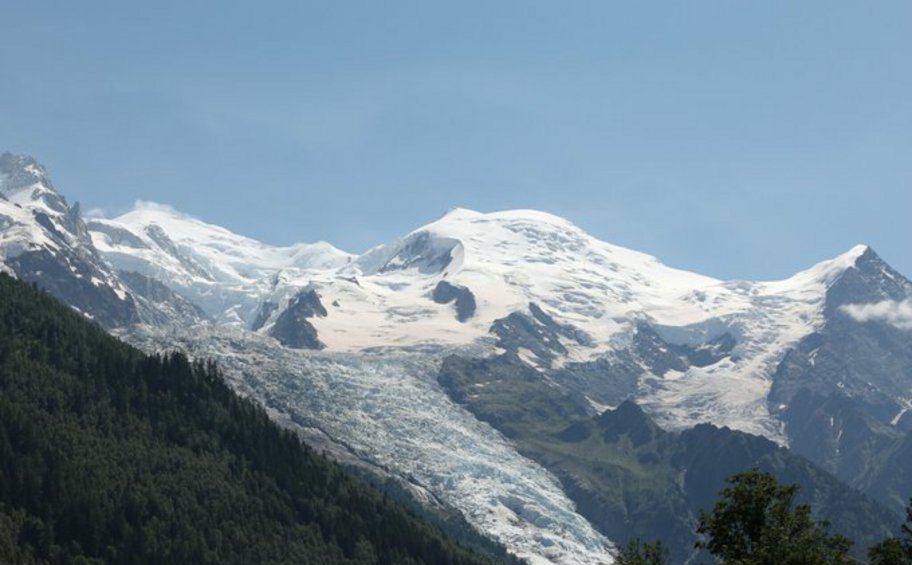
x: 895, y: 551
x: 756, y: 522
x: 637, y: 552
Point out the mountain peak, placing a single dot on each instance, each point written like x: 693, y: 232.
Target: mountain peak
x: 851, y: 257
x: 458, y: 212
x: 867, y: 279
x: 25, y: 181
x: 859, y: 252
x: 860, y: 258
x: 828, y: 272
x: 20, y: 171
x: 504, y: 240
x: 518, y: 215
x: 627, y: 419
x: 865, y: 255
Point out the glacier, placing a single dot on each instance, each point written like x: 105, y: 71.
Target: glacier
x: 387, y: 409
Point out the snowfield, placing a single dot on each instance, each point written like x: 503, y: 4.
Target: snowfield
x: 507, y: 260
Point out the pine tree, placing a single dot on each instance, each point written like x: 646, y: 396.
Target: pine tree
x: 637, y: 552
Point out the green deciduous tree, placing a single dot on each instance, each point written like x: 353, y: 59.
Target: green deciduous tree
x: 756, y: 522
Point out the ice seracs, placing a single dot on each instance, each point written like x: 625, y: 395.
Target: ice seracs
x: 387, y: 409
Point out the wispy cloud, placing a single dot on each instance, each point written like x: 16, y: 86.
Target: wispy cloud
x: 155, y: 206
x: 93, y: 213
x: 895, y: 312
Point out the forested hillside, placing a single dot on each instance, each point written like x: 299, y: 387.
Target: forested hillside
x: 109, y: 455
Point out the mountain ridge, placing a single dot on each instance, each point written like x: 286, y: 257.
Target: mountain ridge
x: 601, y: 323
x: 505, y: 261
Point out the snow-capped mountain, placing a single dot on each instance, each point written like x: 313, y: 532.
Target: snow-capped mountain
x: 225, y: 274
x: 346, y: 348
x: 44, y: 240
x: 500, y: 263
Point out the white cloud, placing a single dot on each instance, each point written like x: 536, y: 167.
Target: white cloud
x: 149, y: 205
x: 894, y: 312
x: 94, y: 213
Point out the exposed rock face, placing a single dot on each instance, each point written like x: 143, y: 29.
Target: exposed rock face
x: 843, y: 391
x: 292, y: 328
x: 421, y: 251
x: 535, y: 332
x: 158, y: 235
x: 871, y: 280
x: 661, y: 356
x: 76, y: 282
x: 119, y: 236
x: 23, y: 174
x: 461, y: 297
x: 158, y: 304
x: 53, y: 249
x: 655, y: 352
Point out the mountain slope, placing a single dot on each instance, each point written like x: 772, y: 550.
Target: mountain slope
x: 390, y: 297
x: 509, y: 260
x: 385, y: 411
x: 410, y: 434
x: 44, y: 240
x: 117, y: 457
x: 629, y: 477
x: 845, y: 390
x: 225, y: 274
x: 346, y: 349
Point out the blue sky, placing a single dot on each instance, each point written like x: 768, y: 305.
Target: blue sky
x: 739, y: 139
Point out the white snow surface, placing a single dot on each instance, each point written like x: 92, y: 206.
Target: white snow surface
x: 19, y: 205
x: 508, y: 260
x: 19, y: 232
x: 226, y: 274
